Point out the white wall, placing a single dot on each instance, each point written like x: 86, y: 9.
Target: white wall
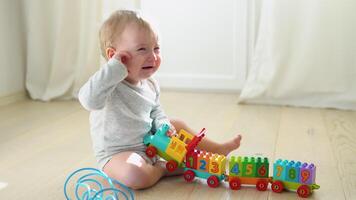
x: 214, y: 61
x: 109, y: 6
x: 203, y: 43
x: 12, y: 60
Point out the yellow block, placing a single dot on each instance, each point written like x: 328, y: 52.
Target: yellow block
x: 176, y: 149
x: 185, y: 136
x: 217, y: 164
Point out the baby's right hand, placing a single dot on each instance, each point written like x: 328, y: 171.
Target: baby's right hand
x: 122, y: 56
x: 172, y: 131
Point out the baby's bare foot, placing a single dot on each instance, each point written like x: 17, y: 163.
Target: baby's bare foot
x: 231, y: 145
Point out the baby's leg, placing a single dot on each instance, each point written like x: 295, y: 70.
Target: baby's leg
x: 132, y: 170
x: 207, y: 144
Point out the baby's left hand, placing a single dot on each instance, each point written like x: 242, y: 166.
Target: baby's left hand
x: 172, y: 131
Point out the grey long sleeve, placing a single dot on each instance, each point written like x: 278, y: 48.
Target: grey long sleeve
x: 120, y: 113
x: 95, y: 92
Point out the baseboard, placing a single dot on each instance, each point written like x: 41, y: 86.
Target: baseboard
x: 18, y: 96
x: 200, y: 90
x: 210, y: 83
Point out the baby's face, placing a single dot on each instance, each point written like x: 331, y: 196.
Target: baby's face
x: 144, y: 50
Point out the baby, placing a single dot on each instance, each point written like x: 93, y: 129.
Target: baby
x: 123, y: 100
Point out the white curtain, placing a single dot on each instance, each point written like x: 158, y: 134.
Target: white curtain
x: 62, y: 48
x: 304, y: 54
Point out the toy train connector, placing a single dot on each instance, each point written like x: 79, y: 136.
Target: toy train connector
x: 181, y: 151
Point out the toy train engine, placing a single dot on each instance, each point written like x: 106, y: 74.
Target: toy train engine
x: 172, y: 149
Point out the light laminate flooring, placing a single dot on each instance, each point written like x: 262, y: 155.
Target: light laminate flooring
x: 41, y: 143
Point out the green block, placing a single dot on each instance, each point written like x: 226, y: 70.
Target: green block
x: 262, y: 167
x: 248, y: 167
x: 235, y: 166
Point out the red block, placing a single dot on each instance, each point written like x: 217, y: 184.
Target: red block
x: 191, y: 159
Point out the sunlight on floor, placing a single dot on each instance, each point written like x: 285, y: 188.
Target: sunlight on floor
x: 3, y: 185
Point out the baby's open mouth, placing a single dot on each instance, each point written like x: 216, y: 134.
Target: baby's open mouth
x: 147, y: 67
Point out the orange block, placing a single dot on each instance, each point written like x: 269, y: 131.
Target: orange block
x: 203, y: 161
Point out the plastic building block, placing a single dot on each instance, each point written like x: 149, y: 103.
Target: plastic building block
x: 176, y: 149
x: 307, y: 174
x: 279, y: 170
x: 248, y: 167
x: 191, y: 160
x: 203, y: 161
x: 217, y: 164
x: 262, y: 167
x: 293, y: 170
x: 185, y: 136
x: 235, y: 166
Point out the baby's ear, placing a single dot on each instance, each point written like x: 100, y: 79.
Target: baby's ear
x: 110, y: 52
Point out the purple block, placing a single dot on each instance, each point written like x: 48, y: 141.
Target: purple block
x: 307, y: 173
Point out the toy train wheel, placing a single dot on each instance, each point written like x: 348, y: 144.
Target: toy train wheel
x: 213, y: 181
x: 151, y: 151
x: 171, y: 165
x: 235, y: 184
x: 303, y: 191
x: 277, y: 186
x: 189, y: 175
x: 261, y: 185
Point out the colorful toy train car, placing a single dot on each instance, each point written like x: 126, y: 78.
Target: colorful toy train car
x: 249, y: 171
x: 180, y: 151
x: 294, y: 176
x: 205, y: 165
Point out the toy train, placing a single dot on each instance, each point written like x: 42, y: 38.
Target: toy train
x: 180, y: 151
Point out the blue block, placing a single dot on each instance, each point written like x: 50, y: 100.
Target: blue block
x: 279, y: 170
x: 293, y: 170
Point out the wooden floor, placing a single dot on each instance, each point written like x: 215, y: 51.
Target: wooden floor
x: 41, y: 143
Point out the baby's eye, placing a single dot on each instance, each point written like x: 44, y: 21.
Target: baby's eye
x: 156, y: 49
x: 141, y: 49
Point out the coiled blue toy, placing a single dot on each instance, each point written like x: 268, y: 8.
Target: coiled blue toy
x: 88, y: 187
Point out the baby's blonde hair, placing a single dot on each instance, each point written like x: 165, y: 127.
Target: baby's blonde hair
x: 114, y: 26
